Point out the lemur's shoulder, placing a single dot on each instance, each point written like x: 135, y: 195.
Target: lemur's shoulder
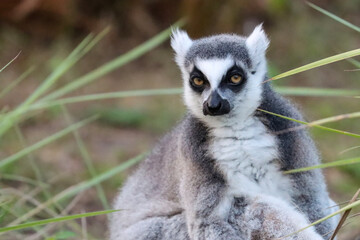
x: 296, y: 147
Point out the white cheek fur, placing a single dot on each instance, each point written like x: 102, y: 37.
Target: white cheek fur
x: 193, y: 101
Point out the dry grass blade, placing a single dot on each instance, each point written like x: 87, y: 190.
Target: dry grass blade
x: 354, y: 215
x: 64, y: 212
x: 43, y: 142
x: 316, y: 126
x: 35, y: 191
x: 341, y: 203
x: 23, y: 180
x: 338, y: 163
x: 113, y: 64
x: 25, y: 197
x: 12, y: 85
x: 349, y: 149
x: 87, y: 159
x: 323, y: 121
x: 31, y: 159
x: 58, y: 219
x: 333, y: 16
x: 10, y: 62
x: 350, y: 206
x: 4, y: 199
x: 345, y: 215
x: 30, y: 197
x: 75, y: 189
x: 18, y: 113
x: 84, y: 228
x: 101, y: 96
x: 316, y: 92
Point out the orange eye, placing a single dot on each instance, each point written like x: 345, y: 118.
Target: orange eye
x: 236, y: 79
x: 198, y: 81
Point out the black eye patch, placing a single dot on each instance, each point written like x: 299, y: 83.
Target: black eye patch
x: 196, y: 73
x: 226, y: 80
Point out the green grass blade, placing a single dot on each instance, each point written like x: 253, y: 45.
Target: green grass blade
x: 70, y: 61
x: 53, y: 220
x: 62, y: 68
x: 316, y: 64
x: 5, y: 200
x: 323, y: 121
x: 99, y: 178
x: 11, y: 211
x: 101, y: 96
x: 326, y: 165
x: 350, y: 206
x: 2, y: 69
x: 354, y: 62
x: 87, y: 160
x: 23, y: 180
x: 335, y: 118
x: 95, y: 41
x: 114, y: 64
x: 80, y: 47
x: 43, y: 142
x: 30, y: 158
x: 316, y: 126
x: 11, y: 86
x: 72, y: 191
x: 316, y: 92
x: 293, y: 91
x: 333, y: 16
x: 12, y: 117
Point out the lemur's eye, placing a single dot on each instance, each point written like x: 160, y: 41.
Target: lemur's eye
x: 235, y: 79
x: 198, y: 81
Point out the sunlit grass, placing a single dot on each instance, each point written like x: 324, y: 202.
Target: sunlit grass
x: 54, y: 220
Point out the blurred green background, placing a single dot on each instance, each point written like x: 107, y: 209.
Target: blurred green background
x: 46, y: 31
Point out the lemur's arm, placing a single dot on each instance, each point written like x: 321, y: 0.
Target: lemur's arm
x: 202, y: 189
x: 310, y: 193
x: 297, y: 150
x: 202, y: 194
x: 316, y: 204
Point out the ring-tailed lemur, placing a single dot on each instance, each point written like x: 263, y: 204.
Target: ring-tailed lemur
x: 218, y: 174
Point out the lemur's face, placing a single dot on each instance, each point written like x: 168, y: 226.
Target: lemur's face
x: 222, y: 74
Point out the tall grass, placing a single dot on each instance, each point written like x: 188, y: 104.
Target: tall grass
x: 10, y: 118
x: 45, y: 97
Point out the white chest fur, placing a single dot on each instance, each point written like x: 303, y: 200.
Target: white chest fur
x: 246, y: 153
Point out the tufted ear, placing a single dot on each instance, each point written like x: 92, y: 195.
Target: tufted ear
x: 257, y: 43
x: 180, y: 42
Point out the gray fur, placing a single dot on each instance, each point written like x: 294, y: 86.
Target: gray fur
x: 219, y: 46
x: 297, y: 151
x: 180, y: 192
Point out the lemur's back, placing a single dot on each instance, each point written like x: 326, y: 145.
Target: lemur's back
x: 153, y: 180
x: 219, y: 173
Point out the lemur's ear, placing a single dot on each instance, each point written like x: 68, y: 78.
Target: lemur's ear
x: 257, y: 43
x: 180, y: 42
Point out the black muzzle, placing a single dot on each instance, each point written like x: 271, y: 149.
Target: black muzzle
x: 215, y: 105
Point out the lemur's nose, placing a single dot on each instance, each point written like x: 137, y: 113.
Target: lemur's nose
x: 215, y: 105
